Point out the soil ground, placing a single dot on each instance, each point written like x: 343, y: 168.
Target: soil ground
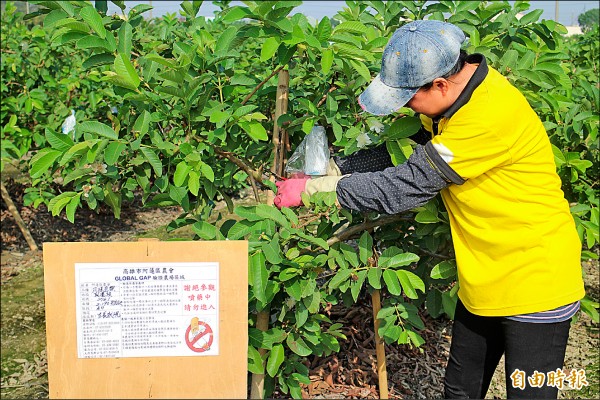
x: 412, y: 373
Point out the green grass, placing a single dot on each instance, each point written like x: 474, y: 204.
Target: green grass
x: 23, y: 336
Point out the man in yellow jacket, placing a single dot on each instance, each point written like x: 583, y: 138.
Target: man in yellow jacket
x: 487, y: 153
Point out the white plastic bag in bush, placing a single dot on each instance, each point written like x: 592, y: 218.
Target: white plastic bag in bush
x: 312, y: 155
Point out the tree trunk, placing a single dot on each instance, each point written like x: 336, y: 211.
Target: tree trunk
x: 17, y: 217
x: 257, y: 388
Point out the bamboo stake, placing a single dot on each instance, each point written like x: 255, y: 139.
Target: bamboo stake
x: 15, y: 213
x: 262, y: 319
x: 257, y: 389
x: 379, y: 347
x: 281, y: 105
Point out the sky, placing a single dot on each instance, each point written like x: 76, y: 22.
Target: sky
x: 568, y: 11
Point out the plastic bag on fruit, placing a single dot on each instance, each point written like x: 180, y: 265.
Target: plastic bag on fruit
x: 68, y: 125
x: 311, y: 157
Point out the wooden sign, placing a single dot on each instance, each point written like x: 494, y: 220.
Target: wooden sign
x: 147, y: 319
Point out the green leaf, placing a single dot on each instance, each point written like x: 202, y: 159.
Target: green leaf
x: 42, y: 161
x: 207, y: 172
x: 340, y: 277
x: 426, y: 217
x: 387, y: 255
x: 153, y: 159
x: 247, y: 212
x: 53, y: 17
x: 98, y: 59
x: 530, y: 17
x: 161, y: 60
x: 139, y: 9
x: 56, y: 205
x: 449, y: 303
x: 258, y: 276
x: 67, y: 7
x: 194, y: 183
x: 326, y: 60
x: 275, y: 359
x: 265, y: 339
x: 294, y: 289
x: 288, y: 274
x: 125, y: 36
x: 236, y: 13
x: 310, y: 238
x: 392, y: 283
x: 401, y: 260
x: 403, y: 128
x: 126, y: 72
x: 549, y: 67
x: 93, y: 19
x: 205, y: 231
x: 58, y: 141
x: 178, y: 194
x: 313, y: 302
x: 272, y: 250
x: 349, y: 254
x: 72, y: 207
x: 559, y: 157
x: 357, y: 285
x: 99, y: 129
x: 101, y: 6
x: 94, y: 42
x: 434, y: 303
x: 78, y: 148
x: 113, y: 152
x: 270, y: 212
x: 269, y: 48
x: 254, y: 129
x: 142, y: 123
x: 119, y: 3
x: 410, y: 282
x: 443, y: 270
x: 298, y: 345
x: 395, y: 151
x: 224, y: 40
x: 415, y: 338
x: 181, y: 173
x: 76, y: 174
x: 365, y: 247
x: 374, y: 277
x: 362, y: 69
x: 351, y: 26
x: 323, y: 30
x: 113, y: 200
x: 255, y: 362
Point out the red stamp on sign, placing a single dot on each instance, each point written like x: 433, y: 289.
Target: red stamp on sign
x: 199, y: 336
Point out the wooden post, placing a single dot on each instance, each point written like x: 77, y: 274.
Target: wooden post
x: 379, y: 347
x: 15, y: 213
x: 257, y: 388
x: 281, y: 103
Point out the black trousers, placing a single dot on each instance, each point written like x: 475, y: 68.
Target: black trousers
x: 530, y: 349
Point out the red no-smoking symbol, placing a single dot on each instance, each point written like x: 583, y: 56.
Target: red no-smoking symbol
x: 201, y: 340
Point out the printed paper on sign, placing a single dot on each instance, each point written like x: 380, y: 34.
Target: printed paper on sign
x: 147, y: 309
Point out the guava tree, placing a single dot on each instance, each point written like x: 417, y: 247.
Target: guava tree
x: 195, y: 115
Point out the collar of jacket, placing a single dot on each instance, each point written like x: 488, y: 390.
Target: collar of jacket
x: 478, y: 77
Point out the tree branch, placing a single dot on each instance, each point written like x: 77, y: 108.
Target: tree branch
x: 347, y: 233
x: 17, y: 217
x: 262, y: 83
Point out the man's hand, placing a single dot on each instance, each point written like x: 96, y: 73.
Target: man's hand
x: 289, y: 191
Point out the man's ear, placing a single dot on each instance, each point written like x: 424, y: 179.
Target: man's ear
x: 442, y: 85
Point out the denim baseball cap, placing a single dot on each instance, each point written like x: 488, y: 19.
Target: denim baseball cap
x: 416, y: 54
